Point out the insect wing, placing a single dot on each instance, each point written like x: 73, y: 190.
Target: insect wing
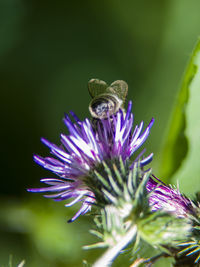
x: 119, y: 88
x: 96, y: 87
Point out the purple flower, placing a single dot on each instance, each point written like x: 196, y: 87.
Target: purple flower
x: 86, y: 147
x: 168, y: 199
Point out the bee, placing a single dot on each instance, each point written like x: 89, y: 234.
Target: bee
x: 106, y: 100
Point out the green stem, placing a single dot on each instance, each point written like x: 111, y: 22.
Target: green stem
x: 108, y: 257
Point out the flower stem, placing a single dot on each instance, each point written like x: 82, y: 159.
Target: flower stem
x: 108, y: 257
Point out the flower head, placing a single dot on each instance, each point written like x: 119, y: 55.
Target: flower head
x: 168, y: 199
x: 86, y: 147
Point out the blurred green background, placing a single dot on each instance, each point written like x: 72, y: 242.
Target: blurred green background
x: 48, y: 52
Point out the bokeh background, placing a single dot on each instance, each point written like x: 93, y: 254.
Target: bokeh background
x: 48, y: 52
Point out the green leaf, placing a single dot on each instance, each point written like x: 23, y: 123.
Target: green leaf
x: 189, y: 173
x: 182, y: 147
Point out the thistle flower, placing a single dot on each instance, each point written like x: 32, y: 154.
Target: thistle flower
x: 84, y: 149
x: 168, y: 199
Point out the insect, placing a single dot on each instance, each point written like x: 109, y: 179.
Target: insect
x: 106, y: 100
